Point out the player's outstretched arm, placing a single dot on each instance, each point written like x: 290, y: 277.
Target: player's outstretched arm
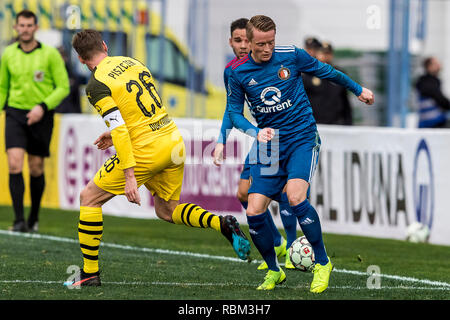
x: 308, y: 64
x: 235, y: 108
x: 225, y: 130
x: 366, y: 96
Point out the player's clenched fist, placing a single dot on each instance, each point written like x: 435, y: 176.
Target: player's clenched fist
x: 218, y: 154
x: 366, y: 96
x: 266, y: 134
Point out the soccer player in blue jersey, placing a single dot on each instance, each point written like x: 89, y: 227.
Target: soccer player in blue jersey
x: 270, y: 79
x: 240, y: 46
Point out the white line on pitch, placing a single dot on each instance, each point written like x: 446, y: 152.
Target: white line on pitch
x: 209, y: 284
x: 207, y: 256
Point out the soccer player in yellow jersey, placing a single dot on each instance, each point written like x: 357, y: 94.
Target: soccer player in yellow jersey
x: 150, y: 152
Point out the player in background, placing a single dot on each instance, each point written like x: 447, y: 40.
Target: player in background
x: 239, y: 44
x: 150, y: 152
x: 33, y: 82
x: 287, y: 130
x: 312, y: 45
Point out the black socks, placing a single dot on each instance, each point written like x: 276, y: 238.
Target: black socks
x: 37, y: 185
x: 17, y: 190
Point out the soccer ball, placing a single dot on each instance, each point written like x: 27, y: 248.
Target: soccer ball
x: 302, y: 255
x: 417, y: 232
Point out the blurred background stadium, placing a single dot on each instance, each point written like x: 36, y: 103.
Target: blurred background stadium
x: 184, y: 42
x: 379, y: 43
x: 374, y: 178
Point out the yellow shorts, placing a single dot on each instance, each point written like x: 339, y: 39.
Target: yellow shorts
x: 159, y: 166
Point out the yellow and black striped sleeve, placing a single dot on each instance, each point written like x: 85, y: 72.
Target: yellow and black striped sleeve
x: 99, y: 96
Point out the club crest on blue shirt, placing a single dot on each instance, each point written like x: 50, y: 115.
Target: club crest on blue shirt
x: 284, y: 73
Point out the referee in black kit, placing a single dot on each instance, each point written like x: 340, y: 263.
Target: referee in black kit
x: 33, y: 82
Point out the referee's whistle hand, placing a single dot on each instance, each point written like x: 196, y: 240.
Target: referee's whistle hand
x: 35, y: 115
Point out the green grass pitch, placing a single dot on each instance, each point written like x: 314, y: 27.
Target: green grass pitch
x: 154, y: 260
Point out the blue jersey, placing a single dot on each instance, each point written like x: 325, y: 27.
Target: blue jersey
x: 227, y: 125
x: 275, y: 93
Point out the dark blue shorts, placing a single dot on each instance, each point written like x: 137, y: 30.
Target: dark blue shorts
x: 294, y: 159
x: 245, y: 174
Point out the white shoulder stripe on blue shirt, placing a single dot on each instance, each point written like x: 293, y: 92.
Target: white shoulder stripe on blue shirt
x: 278, y: 50
x: 285, y: 48
x: 279, y: 46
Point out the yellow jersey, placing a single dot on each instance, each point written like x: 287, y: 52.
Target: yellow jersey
x: 123, y: 92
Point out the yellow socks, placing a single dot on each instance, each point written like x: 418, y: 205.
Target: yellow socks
x: 90, y: 230
x: 193, y: 215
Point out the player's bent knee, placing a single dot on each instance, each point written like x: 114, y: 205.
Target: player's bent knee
x: 93, y: 196
x: 14, y: 169
x: 36, y: 165
x: 84, y: 197
x: 36, y: 171
x: 251, y: 213
x: 242, y: 193
x: 242, y: 197
x: 295, y: 199
x: 254, y: 211
x: 15, y: 165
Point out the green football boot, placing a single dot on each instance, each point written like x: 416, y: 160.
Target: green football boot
x: 271, y: 279
x: 321, y: 277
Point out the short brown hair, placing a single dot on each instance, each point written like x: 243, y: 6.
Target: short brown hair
x: 261, y: 23
x: 26, y: 14
x: 87, y: 42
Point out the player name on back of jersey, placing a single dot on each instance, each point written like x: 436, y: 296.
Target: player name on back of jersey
x: 120, y: 68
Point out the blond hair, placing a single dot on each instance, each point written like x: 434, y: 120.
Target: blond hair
x: 261, y: 23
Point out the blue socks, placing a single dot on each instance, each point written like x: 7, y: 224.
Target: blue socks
x: 261, y: 234
x: 275, y: 232
x: 310, y: 224
x: 289, y: 220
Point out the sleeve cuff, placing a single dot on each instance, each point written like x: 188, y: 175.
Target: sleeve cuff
x: 358, y: 91
x: 44, y: 106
